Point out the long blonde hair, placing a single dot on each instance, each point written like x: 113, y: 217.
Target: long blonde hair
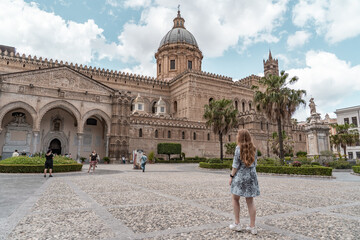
x: 247, y: 148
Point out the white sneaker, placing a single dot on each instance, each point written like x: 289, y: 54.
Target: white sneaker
x: 236, y: 227
x: 251, y: 230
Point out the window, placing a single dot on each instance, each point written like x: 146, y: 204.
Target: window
x: 57, y: 124
x: 236, y: 105
x: 153, y: 108
x: 350, y: 154
x: 243, y: 106
x: 183, y: 135
x: 162, y: 109
x: 175, y: 106
x: 89, y: 121
x: 354, y: 121
x: 300, y: 137
x: 208, y: 137
x: 358, y: 155
x: 172, y: 64
x: 159, y: 68
x: 190, y: 65
x: 139, y: 106
x: 169, y: 134
x: 156, y: 133
x: 249, y: 106
x: 140, y: 132
x: 210, y: 99
x: 229, y: 138
x: 346, y: 120
x: 194, y: 137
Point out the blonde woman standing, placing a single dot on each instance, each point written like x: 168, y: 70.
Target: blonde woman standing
x: 243, y: 179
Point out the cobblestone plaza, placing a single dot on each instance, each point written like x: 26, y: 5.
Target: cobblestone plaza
x: 177, y: 201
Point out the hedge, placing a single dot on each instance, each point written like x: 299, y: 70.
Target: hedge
x: 17, y: 168
x: 179, y: 161
x: 325, y: 171
x: 169, y: 148
x: 356, y: 169
x: 214, y: 165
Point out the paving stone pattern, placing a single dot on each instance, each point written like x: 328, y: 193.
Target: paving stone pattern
x: 183, y: 202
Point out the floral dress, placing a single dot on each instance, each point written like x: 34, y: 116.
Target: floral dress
x: 244, y: 183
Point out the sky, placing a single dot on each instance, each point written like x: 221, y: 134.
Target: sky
x: 315, y: 40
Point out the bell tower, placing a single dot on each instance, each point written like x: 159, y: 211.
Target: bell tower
x: 271, y: 66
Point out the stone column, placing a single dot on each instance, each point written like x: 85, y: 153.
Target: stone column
x: 107, y: 146
x: 35, y: 141
x: 79, y: 139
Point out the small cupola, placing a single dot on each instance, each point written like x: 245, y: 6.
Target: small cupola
x: 139, y: 104
x: 179, y: 21
x: 160, y: 107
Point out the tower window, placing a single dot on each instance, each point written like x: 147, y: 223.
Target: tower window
x: 140, y: 132
x: 194, y: 137
x: 190, y: 65
x: 162, y: 109
x: 139, y: 106
x: 169, y: 134
x: 236, y: 105
x: 172, y: 64
x: 159, y: 68
x: 208, y: 136
x: 243, y: 106
x: 249, y: 106
x: 175, y: 106
x: 156, y: 133
x: 153, y: 108
x: 300, y: 137
x: 229, y: 138
x: 183, y: 135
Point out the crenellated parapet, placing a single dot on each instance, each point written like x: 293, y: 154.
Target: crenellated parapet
x: 247, y: 81
x: 92, y: 72
x: 164, y: 121
x: 201, y: 73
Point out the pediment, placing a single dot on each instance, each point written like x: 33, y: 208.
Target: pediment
x: 63, y: 78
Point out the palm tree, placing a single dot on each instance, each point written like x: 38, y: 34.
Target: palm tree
x: 344, y: 136
x: 221, y: 116
x: 278, y: 102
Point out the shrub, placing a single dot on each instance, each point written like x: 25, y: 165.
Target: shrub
x: 269, y: 161
x: 259, y: 153
x: 214, y: 160
x: 356, y: 169
x: 25, y: 160
x: 301, y: 154
x: 17, y: 168
x: 304, y: 160
x: 214, y: 165
x: 296, y: 164
x: 82, y: 159
x: 106, y: 159
x: 315, y: 164
x: 169, y: 148
x: 230, y: 147
x: 324, y: 171
x: 151, y: 157
x: 183, y: 155
x: 288, y: 158
x: 340, y: 164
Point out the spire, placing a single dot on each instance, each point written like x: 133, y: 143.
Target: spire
x: 179, y: 21
x: 270, y: 57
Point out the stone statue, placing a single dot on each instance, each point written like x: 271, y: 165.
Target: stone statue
x: 312, y: 106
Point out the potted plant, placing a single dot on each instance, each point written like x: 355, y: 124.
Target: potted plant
x: 106, y: 160
x: 82, y: 159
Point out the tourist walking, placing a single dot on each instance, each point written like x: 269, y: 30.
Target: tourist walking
x: 243, y: 179
x: 15, y: 153
x: 49, y: 162
x: 143, y: 162
x: 93, y: 160
x: 123, y: 159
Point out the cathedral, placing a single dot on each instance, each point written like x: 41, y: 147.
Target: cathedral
x: 74, y: 109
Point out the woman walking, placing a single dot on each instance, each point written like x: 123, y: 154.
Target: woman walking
x: 49, y: 162
x: 93, y: 160
x: 243, y: 179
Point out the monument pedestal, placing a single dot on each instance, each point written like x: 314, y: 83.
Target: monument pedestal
x: 317, y: 136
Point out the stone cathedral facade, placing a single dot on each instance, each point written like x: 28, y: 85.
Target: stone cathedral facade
x: 71, y: 108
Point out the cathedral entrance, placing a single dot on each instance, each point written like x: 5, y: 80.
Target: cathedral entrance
x: 55, y: 146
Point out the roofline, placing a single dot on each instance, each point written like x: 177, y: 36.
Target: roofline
x: 347, y: 109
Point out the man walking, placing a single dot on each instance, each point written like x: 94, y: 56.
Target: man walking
x: 143, y: 162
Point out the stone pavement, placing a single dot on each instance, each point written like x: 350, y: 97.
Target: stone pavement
x: 173, y: 202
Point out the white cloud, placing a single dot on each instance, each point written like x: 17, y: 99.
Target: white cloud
x: 337, y: 20
x: 328, y: 79
x: 137, y: 3
x: 298, y: 39
x: 32, y: 30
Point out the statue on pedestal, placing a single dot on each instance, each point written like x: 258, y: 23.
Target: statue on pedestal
x: 312, y: 106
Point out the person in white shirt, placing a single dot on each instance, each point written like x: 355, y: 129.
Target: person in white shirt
x: 15, y: 153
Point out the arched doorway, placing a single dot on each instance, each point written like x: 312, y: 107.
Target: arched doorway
x: 55, y: 146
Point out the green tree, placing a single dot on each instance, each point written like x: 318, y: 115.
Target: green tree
x: 278, y: 102
x: 230, y: 147
x: 344, y: 136
x: 169, y: 148
x: 221, y: 116
x: 288, y: 144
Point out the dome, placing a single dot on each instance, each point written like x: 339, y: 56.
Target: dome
x: 178, y: 35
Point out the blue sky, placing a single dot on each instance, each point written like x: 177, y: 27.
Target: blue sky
x: 316, y: 40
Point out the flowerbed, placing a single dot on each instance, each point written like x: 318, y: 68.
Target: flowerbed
x: 24, y: 164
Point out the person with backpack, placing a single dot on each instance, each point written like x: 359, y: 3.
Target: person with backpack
x: 93, y: 160
x: 143, y: 162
